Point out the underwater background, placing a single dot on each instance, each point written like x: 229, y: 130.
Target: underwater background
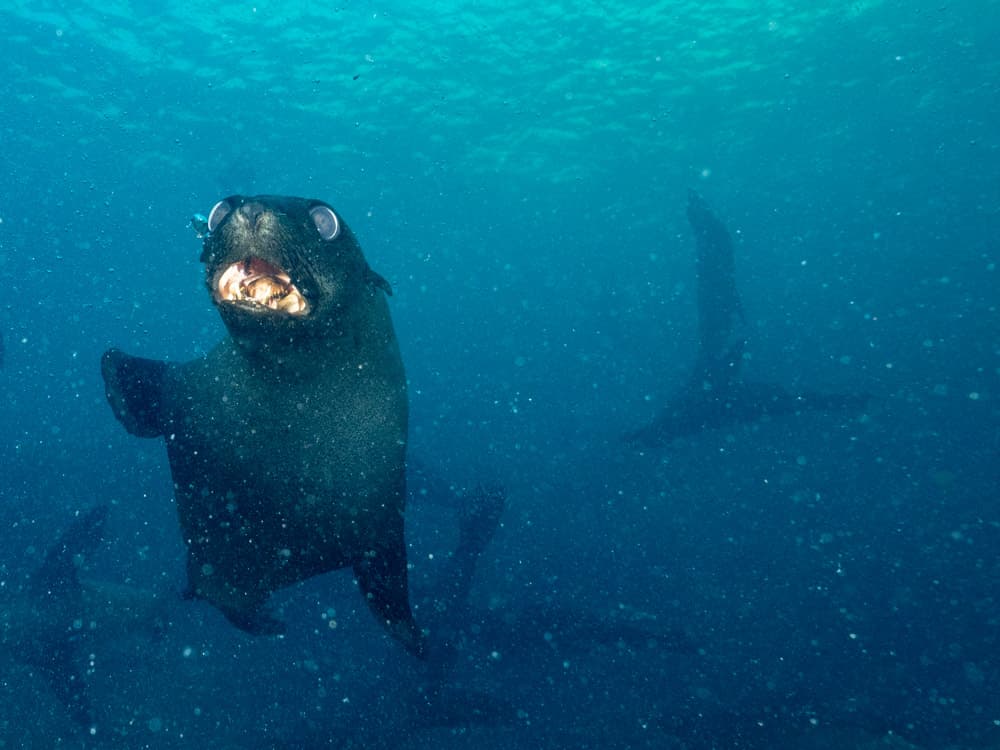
x: 518, y: 172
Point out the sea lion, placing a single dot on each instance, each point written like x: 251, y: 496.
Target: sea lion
x: 287, y: 442
x: 716, y: 395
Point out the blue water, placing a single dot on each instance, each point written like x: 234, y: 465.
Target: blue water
x: 518, y: 172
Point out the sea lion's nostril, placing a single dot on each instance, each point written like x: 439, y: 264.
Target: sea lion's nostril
x: 252, y: 212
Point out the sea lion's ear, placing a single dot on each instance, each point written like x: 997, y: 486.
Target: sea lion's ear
x: 378, y: 281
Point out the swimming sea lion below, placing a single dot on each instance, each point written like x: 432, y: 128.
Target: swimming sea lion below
x: 287, y: 442
x: 716, y: 395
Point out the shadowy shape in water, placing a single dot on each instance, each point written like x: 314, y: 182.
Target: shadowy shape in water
x: 716, y: 395
x: 478, y: 520
x: 56, y: 617
x: 43, y: 625
x: 478, y: 512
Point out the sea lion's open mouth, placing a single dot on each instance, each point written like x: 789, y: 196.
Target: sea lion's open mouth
x: 258, y: 283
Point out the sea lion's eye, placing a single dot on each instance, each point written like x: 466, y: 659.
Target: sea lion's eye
x: 326, y: 221
x: 219, y: 212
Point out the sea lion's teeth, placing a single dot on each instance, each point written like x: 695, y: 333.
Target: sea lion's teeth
x: 263, y: 290
x: 229, y: 283
x: 260, y: 293
x: 291, y: 303
x: 243, y: 282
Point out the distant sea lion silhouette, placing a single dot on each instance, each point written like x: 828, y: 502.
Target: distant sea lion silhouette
x: 716, y: 395
x: 287, y: 442
x: 52, y: 619
x: 38, y: 624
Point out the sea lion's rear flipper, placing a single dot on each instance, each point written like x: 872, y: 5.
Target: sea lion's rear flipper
x: 382, y: 578
x: 58, y: 572
x: 721, y: 322
x: 136, y: 389
x: 478, y: 521
x: 59, y: 668
x: 479, y: 517
x: 56, y: 589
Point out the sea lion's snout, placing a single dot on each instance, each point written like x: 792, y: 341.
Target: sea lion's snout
x: 251, y: 213
x: 250, y: 246
x: 273, y: 260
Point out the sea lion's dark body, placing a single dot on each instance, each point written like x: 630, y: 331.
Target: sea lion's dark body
x: 310, y: 471
x: 287, y: 442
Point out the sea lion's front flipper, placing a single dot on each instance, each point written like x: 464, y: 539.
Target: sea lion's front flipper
x: 382, y: 577
x: 721, y: 321
x: 136, y: 388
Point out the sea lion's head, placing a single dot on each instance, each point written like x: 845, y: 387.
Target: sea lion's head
x: 286, y: 266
